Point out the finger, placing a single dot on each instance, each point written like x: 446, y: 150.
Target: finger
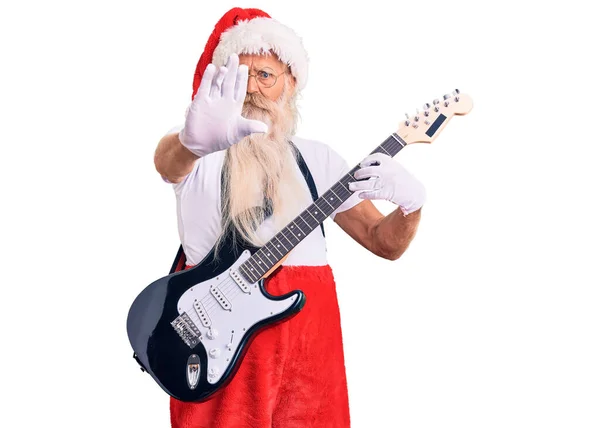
x: 215, y: 89
x: 205, y: 84
x: 249, y: 126
x: 366, y: 172
x: 376, y: 194
x: 364, y: 185
x: 230, y: 77
x: 374, y: 159
x: 241, y: 83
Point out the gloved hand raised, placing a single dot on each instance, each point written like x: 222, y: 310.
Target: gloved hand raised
x: 214, y: 118
x: 390, y: 181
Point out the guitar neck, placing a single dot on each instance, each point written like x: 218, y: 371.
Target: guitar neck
x: 282, y: 243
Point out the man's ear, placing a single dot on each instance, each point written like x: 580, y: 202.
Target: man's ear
x: 293, y: 82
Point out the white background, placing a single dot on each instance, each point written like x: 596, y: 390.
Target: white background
x: 490, y: 319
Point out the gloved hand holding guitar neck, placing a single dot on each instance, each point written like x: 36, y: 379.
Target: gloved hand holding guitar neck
x: 384, y: 178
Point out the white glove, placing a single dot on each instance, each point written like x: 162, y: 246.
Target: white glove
x: 214, y: 118
x: 390, y: 181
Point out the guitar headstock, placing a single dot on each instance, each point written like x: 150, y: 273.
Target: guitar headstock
x: 425, y: 125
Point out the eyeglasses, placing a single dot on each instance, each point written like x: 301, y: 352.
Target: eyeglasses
x: 266, y: 77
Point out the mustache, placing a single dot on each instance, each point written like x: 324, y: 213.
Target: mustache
x: 259, y: 101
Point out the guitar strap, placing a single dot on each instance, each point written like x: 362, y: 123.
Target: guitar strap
x: 180, y: 259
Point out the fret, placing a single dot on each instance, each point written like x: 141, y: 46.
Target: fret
x: 302, y: 218
x: 275, y: 247
x: 325, y: 199
x: 330, y: 195
x: 315, y: 212
x: 283, y: 234
x: 341, y: 191
x: 312, y: 221
x: 324, y: 207
x: 292, y: 230
x: 352, y: 179
x: 268, y: 254
x: 308, y: 211
x: 400, y: 142
x: 253, y: 275
x: 281, y: 243
x: 336, y: 195
x: 303, y: 225
x: 300, y: 227
x: 259, y: 258
x: 386, y: 152
x: 251, y: 264
x: 392, y: 145
x: 244, y: 271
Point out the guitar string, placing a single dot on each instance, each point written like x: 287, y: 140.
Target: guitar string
x: 195, y: 315
x: 212, y: 301
x: 210, y: 308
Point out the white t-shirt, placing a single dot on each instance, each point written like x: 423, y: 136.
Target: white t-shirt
x: 198, y: 199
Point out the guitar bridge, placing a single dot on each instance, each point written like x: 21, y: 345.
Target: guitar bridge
x: 187, y: 330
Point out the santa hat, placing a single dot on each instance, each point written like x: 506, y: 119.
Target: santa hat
x: 253, y: 31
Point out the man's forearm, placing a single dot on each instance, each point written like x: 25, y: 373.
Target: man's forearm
x: 393, y: 233
x: 172, y: 160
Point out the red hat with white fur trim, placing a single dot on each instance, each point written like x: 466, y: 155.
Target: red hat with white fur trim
x: 253, y: 31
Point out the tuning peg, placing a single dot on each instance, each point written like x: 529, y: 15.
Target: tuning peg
x: 426, y: 106
x: 426, y: 113
x: 446, y: 96
x: 436, y: 101
x: 455, y: 93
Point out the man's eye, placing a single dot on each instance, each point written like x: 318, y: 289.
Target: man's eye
x: 264, y: 74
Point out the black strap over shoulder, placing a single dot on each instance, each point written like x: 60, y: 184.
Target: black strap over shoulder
x: 180, y: 259
x: 308, y: 177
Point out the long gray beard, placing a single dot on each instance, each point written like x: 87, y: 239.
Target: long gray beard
x: 260, y: 171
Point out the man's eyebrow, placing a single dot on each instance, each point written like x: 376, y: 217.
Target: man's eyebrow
x: 261, y: 67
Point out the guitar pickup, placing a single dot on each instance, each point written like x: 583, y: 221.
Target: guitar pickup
x: 202, y: 314
x: 240, y: 281
x: 220, y: 297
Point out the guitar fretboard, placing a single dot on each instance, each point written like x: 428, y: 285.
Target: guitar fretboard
x: 283, y: 242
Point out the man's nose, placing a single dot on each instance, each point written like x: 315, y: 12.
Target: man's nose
x: 252, y: 85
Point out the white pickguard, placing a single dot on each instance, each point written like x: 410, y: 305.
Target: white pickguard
x: 227, y: 326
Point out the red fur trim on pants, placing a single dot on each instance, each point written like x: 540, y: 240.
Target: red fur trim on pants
x: 293, y: 375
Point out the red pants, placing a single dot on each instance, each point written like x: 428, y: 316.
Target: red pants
x: 293, y: 374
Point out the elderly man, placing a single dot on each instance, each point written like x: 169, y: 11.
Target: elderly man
x: 235, y: 167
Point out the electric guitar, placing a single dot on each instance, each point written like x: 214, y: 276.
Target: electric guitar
x: 190, y: 330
